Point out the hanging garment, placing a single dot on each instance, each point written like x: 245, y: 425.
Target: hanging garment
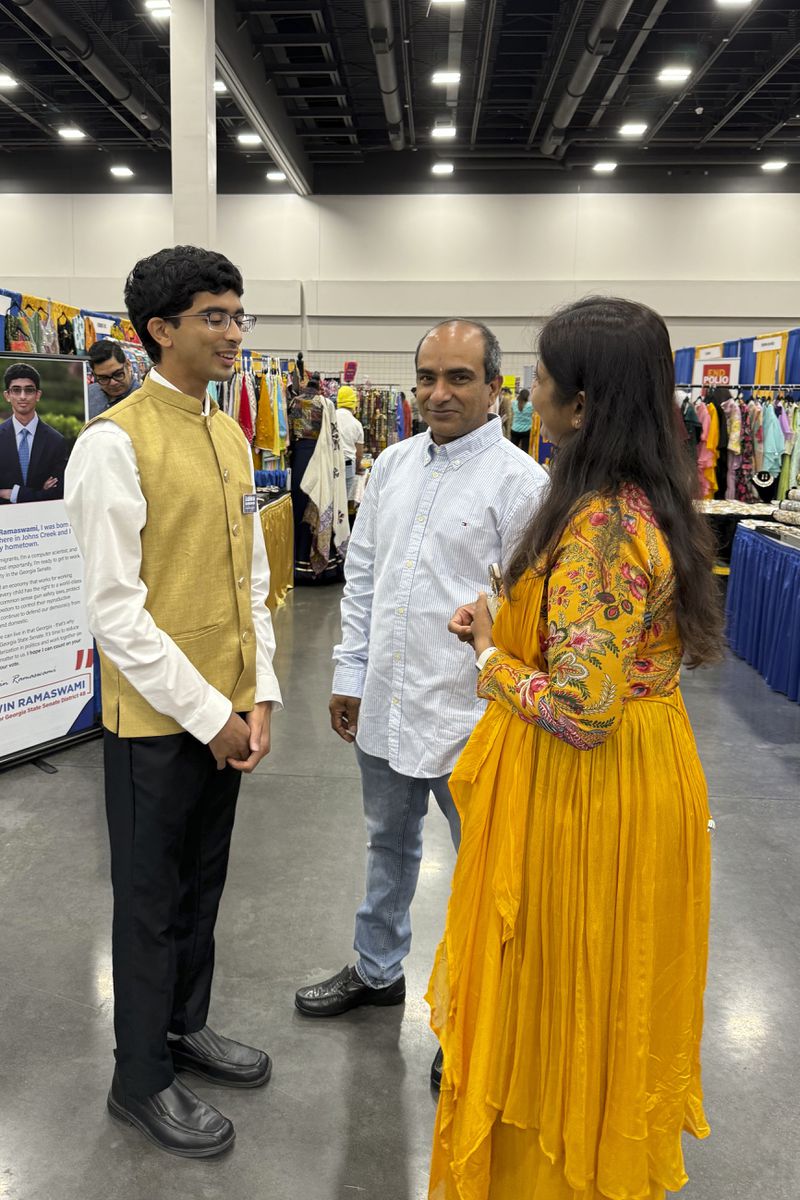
x: 324, y: 484
x: 773, y: 441
x: 692, y: 423
x: 756, y: 421
x: 265, y: 417
x: 66, y: 336
x: 744, y: 471
x: 247, y: 408
x: 79, y: 334
x: 89, y: 332
x: 35, y: 327
x: 18, y: 331
x: 733, y: 418
x: 705, y: 454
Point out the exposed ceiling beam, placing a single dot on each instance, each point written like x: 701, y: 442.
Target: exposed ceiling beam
x: 629, y: 60
x: 695, y: 78
x: 577, y: 9
x: 406, y: 52
x: 296, y: 39
x: 300, y: 72
x: 313, y: 93
x: 257, y: 98
x: 483, y: 72
x: 748, y: 96
x: 322, y: 114
x: 279, y: 8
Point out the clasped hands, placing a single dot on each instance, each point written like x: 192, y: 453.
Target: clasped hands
x: 473, y: 623
x: 243, y: 742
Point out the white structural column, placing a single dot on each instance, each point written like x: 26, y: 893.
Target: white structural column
x: 194, y: 122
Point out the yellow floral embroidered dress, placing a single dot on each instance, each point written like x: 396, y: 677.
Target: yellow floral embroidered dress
x: 567, y: 992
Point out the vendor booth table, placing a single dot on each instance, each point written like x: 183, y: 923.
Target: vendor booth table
x: 763, y: 605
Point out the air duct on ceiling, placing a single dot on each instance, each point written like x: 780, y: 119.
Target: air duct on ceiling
x: 600, y: 42
x: 72, y: 42
x: 381, y: 37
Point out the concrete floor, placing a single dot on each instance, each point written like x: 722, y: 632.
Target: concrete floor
x: 349, y: 1111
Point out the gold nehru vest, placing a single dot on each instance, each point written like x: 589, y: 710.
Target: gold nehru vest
x: 197, y: 549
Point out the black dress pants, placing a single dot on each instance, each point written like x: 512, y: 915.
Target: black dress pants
x: 170, y: 819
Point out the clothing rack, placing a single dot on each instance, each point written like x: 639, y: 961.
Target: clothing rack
x: 737, y: 387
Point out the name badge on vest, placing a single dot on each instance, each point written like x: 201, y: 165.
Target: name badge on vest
x: 249, y: 503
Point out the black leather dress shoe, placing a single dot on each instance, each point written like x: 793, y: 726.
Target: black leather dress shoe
x: 345, y: 991
x: 218, y: 1059
x: 175, y: 1120
x: 436, y: 1069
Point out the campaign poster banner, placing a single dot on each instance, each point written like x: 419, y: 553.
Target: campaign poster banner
x: 46, y: 651
x: 722, y: 373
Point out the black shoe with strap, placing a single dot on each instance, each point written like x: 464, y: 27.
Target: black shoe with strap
x: 220, y: 1060
x: 175, y: 1120
x: 344, y: 991
x: 436, y: 1069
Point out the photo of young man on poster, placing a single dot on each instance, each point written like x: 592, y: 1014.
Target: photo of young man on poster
x: 46, y: 403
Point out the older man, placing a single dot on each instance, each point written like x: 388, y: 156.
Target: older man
x: 438, y: 510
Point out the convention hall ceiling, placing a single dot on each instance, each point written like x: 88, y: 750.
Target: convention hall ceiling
x: 536, y: 94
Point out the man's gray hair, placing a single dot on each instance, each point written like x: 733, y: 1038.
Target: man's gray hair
x: 492, y: 354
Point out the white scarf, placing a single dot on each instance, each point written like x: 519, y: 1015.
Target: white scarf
x: 324, y: 484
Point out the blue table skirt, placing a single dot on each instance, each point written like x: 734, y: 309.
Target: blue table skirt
x: 763, y: 608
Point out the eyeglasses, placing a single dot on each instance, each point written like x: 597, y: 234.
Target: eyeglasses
x: 115, y: 377
x: 22, y: 391
x: 218, y: 320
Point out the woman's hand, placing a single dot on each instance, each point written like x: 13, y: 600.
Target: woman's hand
x: 482, y: 623
x: 473, y: 623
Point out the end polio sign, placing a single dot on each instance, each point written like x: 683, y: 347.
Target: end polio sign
x: 717, y: 374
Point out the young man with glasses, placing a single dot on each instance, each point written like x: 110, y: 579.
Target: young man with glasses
x: 114, y: 376
x: 161, y: 497
x: 33, y: 455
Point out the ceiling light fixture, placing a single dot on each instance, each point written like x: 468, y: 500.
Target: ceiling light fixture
x: 7, y: 81
x: 248, y: 139
x: 633, y: 129
x: 276, y: 176
x: 220, y: 86
x: 122, y: 172
x: 442, y: 168
x: 604, y: 168
x: 442, y: 132
x: 674, y: 74
x: 447, y: 2
x: 71, y: 133
x: 156, y: 5
x: 774, y: 164
x: 446, y: 77
x: 733, y: 3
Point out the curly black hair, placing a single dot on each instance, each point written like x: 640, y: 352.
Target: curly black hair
x: 167, y: 282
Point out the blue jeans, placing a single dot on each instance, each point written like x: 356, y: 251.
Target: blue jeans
x: 395, y: 807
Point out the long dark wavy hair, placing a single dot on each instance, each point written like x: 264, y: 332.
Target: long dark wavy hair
x: 618, y: 354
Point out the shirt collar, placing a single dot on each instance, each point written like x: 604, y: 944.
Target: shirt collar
x: 31, y: 426
x: 158, y: 378
x: 456, y: 453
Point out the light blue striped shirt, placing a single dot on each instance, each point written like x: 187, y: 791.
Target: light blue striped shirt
x: 433, y: 520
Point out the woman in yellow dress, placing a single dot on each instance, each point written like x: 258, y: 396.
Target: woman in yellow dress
x: 567, y: 992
